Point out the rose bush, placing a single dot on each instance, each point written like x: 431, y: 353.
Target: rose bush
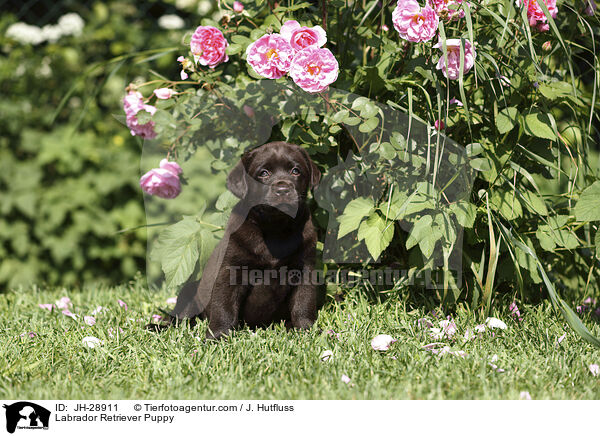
x: 519, y: 104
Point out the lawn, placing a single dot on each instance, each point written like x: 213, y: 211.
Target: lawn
x: 44, y: 356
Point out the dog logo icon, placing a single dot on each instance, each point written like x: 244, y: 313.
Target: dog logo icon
x: 26, y: 415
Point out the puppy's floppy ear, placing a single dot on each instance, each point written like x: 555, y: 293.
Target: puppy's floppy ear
x: 236, y: 180
x: 315, y: 173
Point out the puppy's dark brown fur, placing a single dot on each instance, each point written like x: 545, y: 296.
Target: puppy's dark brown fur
x: 270, y: 230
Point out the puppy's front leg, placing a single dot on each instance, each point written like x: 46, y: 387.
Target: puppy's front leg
x: 303, y: 303
x: 223, y: 311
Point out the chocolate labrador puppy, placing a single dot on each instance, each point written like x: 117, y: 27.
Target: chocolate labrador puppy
x: 260, y: 271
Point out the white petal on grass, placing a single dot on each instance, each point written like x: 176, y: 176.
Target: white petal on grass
x: 479, y: 328
x: 382, y: 342
x: 97, y: 310
x: 524, y: 395
x: 326, y: 355
x: 345, y: 379
x: 495, y: 323
x: 172, y: 300
x: 89, y: 320
x: 91, y: 341
x: 562, y: 338
x: 594, y: 369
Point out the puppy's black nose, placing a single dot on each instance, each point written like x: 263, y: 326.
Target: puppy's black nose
x: 282, y: 188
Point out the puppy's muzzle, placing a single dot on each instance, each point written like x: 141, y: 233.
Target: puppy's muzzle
x: 282, y: 189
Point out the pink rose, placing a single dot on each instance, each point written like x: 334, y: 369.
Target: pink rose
x: 413, y: 23
x: 164, y: 181
x: 270, y: 56
x: 164, y: 93
x: 301, y: 37
x: 439, y: 125
x: 447, y: 9
x: 132, y: 104
x: 536, y: 15
x: 238, y: 7
x: 314, y: 69
x: 208, y: 46
x: 451, y: 71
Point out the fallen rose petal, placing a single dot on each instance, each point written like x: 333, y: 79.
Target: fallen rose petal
x: 495, y: 368
x: 63, y: 303
x: 441, y: 351
x: 345, y: 379
x: 97, y: 310
x: 382, y: 342
x: 326, y: 355
x: 448, y: 327
x: 514, y: 311
x: 91, y: 341
x: 479, y: 328
x: 112, y: 330
x: 594, y: 369
x: 68, y: 313
x: 432, y: 345
x: 424, y: 323
x: 436, y: 333
x: 469, y: 335
x: 30, y: 334
x: 122, y: 304
x: 562, y: 338
x: 89, y: 320
x: 46, y: 306
x: 495, y: 323
x: 156, y: 318
x: 332, y: 333
x: 172, y: 300
x: 524, y: 395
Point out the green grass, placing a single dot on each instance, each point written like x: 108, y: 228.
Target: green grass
x: 274, y: 363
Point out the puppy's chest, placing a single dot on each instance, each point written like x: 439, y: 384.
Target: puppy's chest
x: 273, y: 251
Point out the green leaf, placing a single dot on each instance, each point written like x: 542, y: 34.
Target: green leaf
x: 506, y: 119
x: 419, y: 231
x: 353, y: 214
x: 588, y: 205
x: 597, y: 243
x: 553, y: 234
x: 538, y: 124
x: 507, y: 203
x: 555, y: 90
x: 226, y: 201
x: 465, y: 213
x: 533, y: 202
x: 369, y: 125
x: 376, y: 234
x: 177, y: 249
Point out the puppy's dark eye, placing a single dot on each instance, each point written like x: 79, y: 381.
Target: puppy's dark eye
x: 295, y: 171
x: 263, y: 173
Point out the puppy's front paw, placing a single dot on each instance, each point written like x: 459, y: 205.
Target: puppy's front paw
x: 217, y: 335
x: 302, y: 323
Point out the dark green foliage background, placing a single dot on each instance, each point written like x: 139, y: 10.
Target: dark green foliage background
x: 69, y: 171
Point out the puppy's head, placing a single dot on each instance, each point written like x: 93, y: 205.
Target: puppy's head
x: 277, y: 175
